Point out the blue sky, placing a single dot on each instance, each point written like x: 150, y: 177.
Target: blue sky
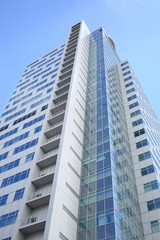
x: 32, y: 28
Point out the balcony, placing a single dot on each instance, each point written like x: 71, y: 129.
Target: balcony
x: 48, y: 159
x: 64, y: 75
x: 54, y: 129
x: 70, y: 52
x: 62, y: 89
x: 75, y: 33
x: 59, y: 106
x: 64, y: 81
x: 57, y: 117
x: 34, y: 223
x: 51, y: 143
x: 44, y: 177
x: 61, y: 97
x: 72, y: 47
x: 69, y: 58
x: 66, y: 69
x: 76, y: 26
x: 68, y: 62
x: 72, y: 43
x: 39, y: 199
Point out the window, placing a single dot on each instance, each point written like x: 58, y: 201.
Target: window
x: 25, y: 146
x: 128, y: 78
x: 124, y: 63
x: 38, y: 129
x: 28, y: 124
x: 18, y: 194
x: 17, y: 139
x: 29, y: 157
x: 29, y: 84
x: 31, y: 64
x: 57, y: 52
x: 9, y: 111
x: 151, y: 186
x: 15, y: 178
x: 39, y: 63
x: 23, y: 83
x: 60, y: 54
x: 46, y: 62
x: 24, y: 118
x: 40, y: 102
x: 49, y: 90
x: 50, y: 73
x: 21, y: 99
x: 15, y: 115
x: 45, y: 86
x: 54, y: 62
x: 3, y: 199
x: 133, y: 105
x: 41, y: 72
x: 18, y: 95
x: 132, y: 97
x: 50, y: 53
x: 38, y: 84
x: 142, y: 143
x: 34, y: 73
x: 130, y: 90
x: 138, y: 122
x: 3, y: 128
x: 9, y: 166
x: 147, y: 170
x: 53, y: 76
x: 3, y: 156
x: 153, y: 204
x: 7, y: 134
x: 126, y: 73
x: 57, y: 64
x: 125, y: 68
x: 136, y: 113
x: 139, y: 132
x: 27, y: 72
x: 44, y: 107
x: 144, y: 156
x: 8, y: 219
x: 31, y: 99
x: 128, y: 84
x: 155, y: 226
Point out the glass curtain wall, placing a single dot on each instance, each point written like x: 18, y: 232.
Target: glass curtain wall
x: 108, y: 202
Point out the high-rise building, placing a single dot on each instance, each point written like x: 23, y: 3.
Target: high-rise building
x: 79, y: 148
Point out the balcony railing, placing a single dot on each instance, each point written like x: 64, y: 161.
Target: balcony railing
x: 49, y: 154
x: 52, y: 138
x: 64, y: 85
x: 34, y: 223
x: 57, y: 113
x: 39, y: 194
x: 59, y: 103
x: 55, y: 125
x: 64, y: 92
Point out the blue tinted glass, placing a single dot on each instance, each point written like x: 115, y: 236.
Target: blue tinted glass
x: 157, y: 202
x: 100, y: 184
x: 110, y: 230
x: 18, y: 194
x: 100, y: 233
x: 100, y: 206
x: 108, y: 203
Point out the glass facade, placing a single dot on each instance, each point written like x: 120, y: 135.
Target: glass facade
x: 108, y: 203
